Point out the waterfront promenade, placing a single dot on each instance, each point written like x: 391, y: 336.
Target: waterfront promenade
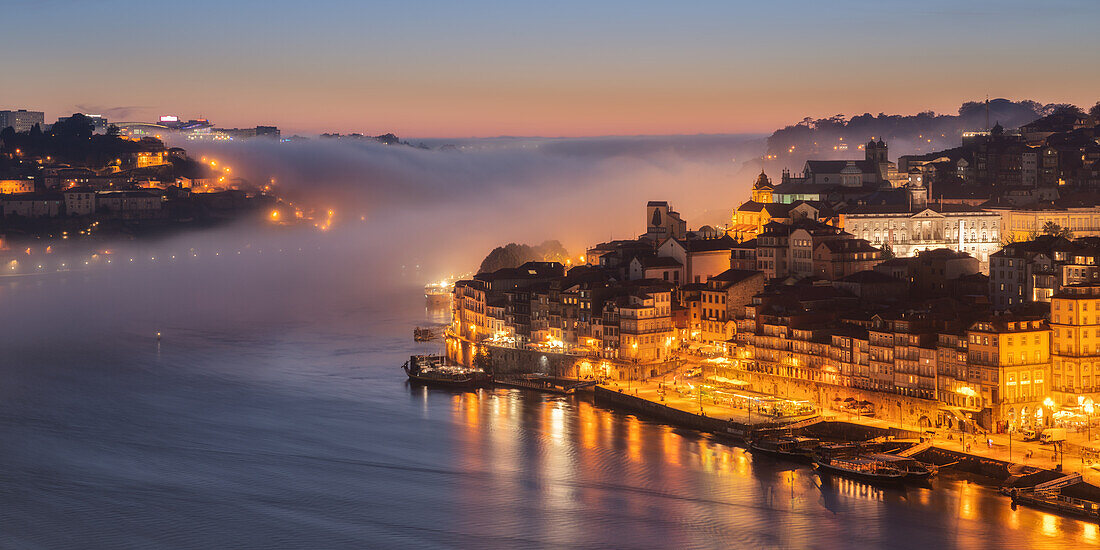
x: 682, y: 397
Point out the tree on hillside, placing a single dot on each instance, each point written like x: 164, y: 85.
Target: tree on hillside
x: 1055, y: 230
x: 514, y: 255
x: 1094, y: 112
x: 1066, y: 110
x: 77, y: 126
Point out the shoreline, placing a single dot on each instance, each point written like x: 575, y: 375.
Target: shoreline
x: 979, y: 469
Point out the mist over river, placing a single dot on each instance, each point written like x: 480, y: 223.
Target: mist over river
x: 273, y: 413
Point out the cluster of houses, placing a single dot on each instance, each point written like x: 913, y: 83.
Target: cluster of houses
x: 137, y: 188
x: 847, y: 276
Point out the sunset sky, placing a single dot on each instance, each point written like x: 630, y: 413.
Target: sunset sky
x: 561, y: 68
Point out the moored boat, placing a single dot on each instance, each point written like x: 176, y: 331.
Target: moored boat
x: 438, y: 294
x: 433, y: 370
x: 914, y: 470
x: 860, y: 468
x: 791, y: 448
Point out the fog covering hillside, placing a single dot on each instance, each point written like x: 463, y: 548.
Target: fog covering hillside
x: 840, y: 136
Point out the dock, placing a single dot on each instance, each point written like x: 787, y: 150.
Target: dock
x: 549, y: 384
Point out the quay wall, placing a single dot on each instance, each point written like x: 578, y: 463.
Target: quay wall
x: 660, y: 412
x: 504, y: 360
x: 848, y: 431
x: 969, y: 463
x: 973, y: 464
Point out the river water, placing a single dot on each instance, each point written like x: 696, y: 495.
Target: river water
x: 272, y: 413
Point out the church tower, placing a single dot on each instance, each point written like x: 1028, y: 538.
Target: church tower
x: 762, y: 189
x: 876, y: 152
x: 918, y: 192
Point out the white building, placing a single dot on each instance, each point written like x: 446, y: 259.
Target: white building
x: 32, y: 205
x: 907, y: 231
x: 129, y: 204
x: 701, y: 258
x: 79, y: 201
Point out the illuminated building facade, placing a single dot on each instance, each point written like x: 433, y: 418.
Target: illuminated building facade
x: 1032, y: 271
x: 11, y: 186
x: 146, y: 159
x: 1024, y: 223
x: 1075, y: 320
x: 908, y: 231
x: 1009, y: 365
x: 645, y: 326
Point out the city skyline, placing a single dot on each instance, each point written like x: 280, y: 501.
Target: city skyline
x: 568, y: 70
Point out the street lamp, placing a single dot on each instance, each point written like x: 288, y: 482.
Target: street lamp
x: 1088, y: 420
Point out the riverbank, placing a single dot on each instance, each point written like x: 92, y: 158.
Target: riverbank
x: 734, y: 425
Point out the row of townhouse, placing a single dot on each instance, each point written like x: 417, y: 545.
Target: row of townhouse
x: 82, y: 201
x: 586, y: 310
x: 1000, y: 368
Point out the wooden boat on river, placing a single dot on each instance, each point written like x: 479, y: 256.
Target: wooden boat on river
x: 433, y: 370
x: 861, y: 468
x: 792, y: 448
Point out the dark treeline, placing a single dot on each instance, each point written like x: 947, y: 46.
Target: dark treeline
x: 921, y: 132
x: 70, y: 141
x: 73, y: 142
x: 515, y: 255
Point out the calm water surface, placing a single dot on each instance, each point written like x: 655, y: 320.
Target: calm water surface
x: 273, y: 414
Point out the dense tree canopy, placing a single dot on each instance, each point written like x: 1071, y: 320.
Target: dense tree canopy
x: 906, y: 133
x: 515, y: 255
x: 70, y: 141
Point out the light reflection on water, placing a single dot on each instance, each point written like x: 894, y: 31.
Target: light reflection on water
x: 650, y: 480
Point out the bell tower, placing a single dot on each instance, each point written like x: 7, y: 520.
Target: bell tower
x: 762, y: 189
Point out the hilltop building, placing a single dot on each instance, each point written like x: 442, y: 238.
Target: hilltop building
x: 21, y: 120
x: 662, y: 222
x: 907, y: 230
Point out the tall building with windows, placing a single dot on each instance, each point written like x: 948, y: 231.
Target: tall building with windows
x: 1009, y: 367
x: 1075, y: 319
x: 21, y: 120
x: 1032, y: 271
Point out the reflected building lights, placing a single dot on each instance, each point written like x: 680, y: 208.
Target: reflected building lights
x: 1049, y: 525
x: 1090, y: 533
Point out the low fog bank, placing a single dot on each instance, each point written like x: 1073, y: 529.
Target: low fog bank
x: 576, y: 190
x: 402, y: 217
